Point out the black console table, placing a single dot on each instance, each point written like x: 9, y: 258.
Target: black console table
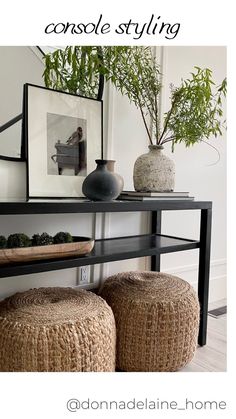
x: 106, y: 250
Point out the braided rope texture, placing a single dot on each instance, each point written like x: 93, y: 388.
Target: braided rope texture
x: 157, y: 320
x: 56, y: 329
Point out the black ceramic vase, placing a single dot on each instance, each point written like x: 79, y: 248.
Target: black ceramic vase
x: 111, y: 168
x: 101, y: 184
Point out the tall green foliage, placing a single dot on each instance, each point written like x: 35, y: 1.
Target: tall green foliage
x: 196, y: 110
x: 136, y: 74
x: 74, y: 70
x: 196, y: 105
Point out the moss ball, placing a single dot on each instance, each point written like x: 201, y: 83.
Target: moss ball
x: 42, y: 239
x: 18, y: 240
x: 63, y: 237
x: 3, y: 242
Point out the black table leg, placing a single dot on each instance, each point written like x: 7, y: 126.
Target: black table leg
x: 203, y: 272
x: 156, y: 229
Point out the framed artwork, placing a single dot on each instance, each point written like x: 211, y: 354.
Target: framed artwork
x: 63, y: 137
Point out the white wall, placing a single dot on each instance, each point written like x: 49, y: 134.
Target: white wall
x: 125, y: 140
x: 194, y: 170
x: 18, y: 66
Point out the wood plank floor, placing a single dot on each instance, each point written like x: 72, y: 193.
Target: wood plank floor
x: 212, y: 357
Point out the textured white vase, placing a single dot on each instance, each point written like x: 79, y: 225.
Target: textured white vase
x: 154, y: 172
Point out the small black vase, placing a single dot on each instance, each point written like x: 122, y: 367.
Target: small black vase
x: 101, y: 185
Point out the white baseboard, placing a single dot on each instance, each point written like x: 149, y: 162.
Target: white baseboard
x: 218, y: 278
x: 218, y: 288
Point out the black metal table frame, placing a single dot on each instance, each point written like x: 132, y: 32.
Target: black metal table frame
x: 152, y: 242
x: 203, y: 267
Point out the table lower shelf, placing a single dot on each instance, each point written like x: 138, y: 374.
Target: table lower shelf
x: 106, y: 250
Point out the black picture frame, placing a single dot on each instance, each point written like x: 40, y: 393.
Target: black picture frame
x: 63, y: 137
x: 7, y: 125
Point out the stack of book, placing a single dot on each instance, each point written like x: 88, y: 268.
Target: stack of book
x: 148, y: 196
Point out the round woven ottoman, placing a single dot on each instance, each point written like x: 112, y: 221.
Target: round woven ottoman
x: 56, y: 329
x: 157, y: 319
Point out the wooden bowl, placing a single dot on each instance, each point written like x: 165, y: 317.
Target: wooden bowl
x: 79, y: 247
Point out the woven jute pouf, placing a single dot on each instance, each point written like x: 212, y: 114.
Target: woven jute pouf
x: 157, y: 319
x: 56, y: 329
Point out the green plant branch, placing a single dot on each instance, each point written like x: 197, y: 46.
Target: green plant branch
x: 145, y: 124
x: 156, y: 119
x: 167, y: 120
x: 168, y: 139
x: 196, y: 109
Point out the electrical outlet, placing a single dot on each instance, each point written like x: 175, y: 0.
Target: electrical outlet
x: 84, y: 275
